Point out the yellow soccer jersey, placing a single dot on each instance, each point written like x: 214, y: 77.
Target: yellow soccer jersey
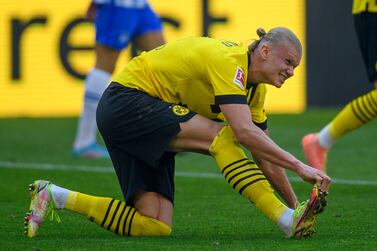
x: 199, y: 73
x: 364, y: 5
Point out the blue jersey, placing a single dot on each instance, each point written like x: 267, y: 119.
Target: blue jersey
x: 119, y: 21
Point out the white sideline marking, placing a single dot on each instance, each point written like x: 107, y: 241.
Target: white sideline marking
x: 108, y: 169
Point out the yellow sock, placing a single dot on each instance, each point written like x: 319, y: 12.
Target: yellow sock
x: 115, y: 215
x: 244, y: 175
x: 355, y: 114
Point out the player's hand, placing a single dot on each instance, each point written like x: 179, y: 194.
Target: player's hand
x: 312, y: 175
x: 91, y: 12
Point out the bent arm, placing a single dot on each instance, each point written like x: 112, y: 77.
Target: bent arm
x: 254, y: 139
x: 278, y: 178
x: 264, y: 149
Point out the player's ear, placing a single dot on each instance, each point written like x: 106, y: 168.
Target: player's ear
x: 264, y: 50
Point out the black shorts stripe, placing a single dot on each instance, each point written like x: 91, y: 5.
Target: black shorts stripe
x: 114, y: 214
x: 244, y: 171
x: 120, y: 218
x: 132, y: 217
x: 126, y: 221
x: 107, y: 212
x: 238, y: 167
x: 356, y: 114
x: 250, y: 183
x: 246, y: 177
x: 235, y: 162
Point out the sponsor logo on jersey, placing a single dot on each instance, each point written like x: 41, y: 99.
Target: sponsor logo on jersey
x: 180, y: 110
x: 239, y: 78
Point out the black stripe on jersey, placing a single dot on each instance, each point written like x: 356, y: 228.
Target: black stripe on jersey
x: 114, y: 214
x: 120, y: 218
x: 230, y: 99
x: 244, y: 171
x: 252, y: 93
x: 246, y: 177
x: 125, y: 220
x: 248, y: 84
x: 263, y: 126
x: 132, y: 217
x: 215, y: 109
x: 250, y: 183
x: 235, y: 162
x: 107, y: 212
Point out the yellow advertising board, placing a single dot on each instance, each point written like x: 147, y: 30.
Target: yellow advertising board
x: 46, y: 47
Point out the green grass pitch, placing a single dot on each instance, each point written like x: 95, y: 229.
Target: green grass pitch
x: 208, y: 214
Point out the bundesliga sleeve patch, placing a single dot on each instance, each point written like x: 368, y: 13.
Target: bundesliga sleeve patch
x: 239, y: 78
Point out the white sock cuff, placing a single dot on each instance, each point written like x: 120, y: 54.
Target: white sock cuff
x: 325, y: 139
x: 286, y: 220
x: 59, y: 195
x: 100, y: 73
x: 96, y: 83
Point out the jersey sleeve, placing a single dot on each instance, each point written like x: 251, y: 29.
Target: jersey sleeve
x: 256, y: 104
x: 227, y: 78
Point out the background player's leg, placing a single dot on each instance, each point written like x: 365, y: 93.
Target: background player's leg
x: 355, y: 114
x: 150, y: 40
x: 85, y: 144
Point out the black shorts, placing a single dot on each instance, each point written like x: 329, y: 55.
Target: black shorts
x: 366, y: 29
x: 137, y: 130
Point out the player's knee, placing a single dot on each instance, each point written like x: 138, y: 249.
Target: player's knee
x: 223, y: 138
x: 215, y: 129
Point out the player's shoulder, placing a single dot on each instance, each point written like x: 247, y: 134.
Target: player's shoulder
x: 225, y: 48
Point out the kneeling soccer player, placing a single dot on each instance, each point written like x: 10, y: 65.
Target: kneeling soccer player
x: 165, y: 101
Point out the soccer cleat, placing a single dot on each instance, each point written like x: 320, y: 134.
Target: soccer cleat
x: 305, y: 214
x: 315, y: 154
x: 42, y: 206
x: 94, y: 151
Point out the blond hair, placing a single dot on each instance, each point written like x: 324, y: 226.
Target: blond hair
x: 274, y: 36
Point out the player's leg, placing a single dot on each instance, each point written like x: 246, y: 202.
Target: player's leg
x: 150, y: 40
x: 203, y: 135
x: 148, y: 34
x: 359, y: 111
x: 85, y: 144
x: 148, y: 192
x: 117, y: 216
x: 355, y: 114
x: 113, y: 28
